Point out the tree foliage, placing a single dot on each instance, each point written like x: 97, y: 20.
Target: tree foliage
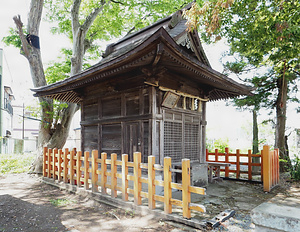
x: 260, y: 33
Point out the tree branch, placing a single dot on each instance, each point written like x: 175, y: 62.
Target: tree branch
x: 75, y: 15
x: 19, y: 25
x: 92, y: 16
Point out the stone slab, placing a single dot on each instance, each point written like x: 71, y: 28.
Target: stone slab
x: 274, y: 217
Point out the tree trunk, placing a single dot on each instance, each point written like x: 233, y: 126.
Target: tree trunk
x: 255, y: 149
x: 281, y: 102
x: 255, y: 133
x: 49, y: 136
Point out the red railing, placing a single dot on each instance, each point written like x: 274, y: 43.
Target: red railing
x: 242, y: 165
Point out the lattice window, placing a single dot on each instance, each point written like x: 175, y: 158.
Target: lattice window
x: 173, y: 140
x: 191, y: 141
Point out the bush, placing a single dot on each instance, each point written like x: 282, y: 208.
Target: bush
x: 295, y: 170
x: 15, y: 163
x: 219, y: 144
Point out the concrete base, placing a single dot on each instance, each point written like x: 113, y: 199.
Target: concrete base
x: 273, y: 217
x: 199, y: 174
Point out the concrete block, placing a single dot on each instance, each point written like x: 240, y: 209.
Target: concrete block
x: 199, y: 174
x: 273, y: 217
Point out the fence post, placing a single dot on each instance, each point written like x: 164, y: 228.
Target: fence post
x: 226, y: 161
x: 124, y: 177
x: 54, y: 162
x: 72, y: 167
x: 59, y: 168
x: 262, y: 165
x: 216, y: 155
x: 167, y: 185
x: 137, y: 174
x: 94, y: 171
x: 86, y: 169
x: 113, y: 176
x: 266, y: 171
x: 206, y: 153
x: 45, y: 152
x: 49, y: 162
x: 249, y: 165
x: 277, y: 165
x: 186, y: 182
x: 103, y: 172
x: 65, y: 177
x: 151, y: 185
x: 238, y: 164
x: 78, y: 170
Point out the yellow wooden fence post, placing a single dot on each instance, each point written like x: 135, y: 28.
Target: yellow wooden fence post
x: 151, y: 185
x: 94, y: 171
x: 54, y: 162
x: 137, y: 187
x: 186, y: 182
x: 49, y: 162
x: 78, y: 171
x: 167, y: 185
x: 65, y: 177
x: 124, y: 177
x: 103, y: 172
x: 72, y: 153
x: 59, y: 162
x: 86, y: 170
x: 113, y: 168
x: 45, y: 159
x: 266, y: 166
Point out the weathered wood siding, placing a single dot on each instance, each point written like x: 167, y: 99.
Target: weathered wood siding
x: 134, y: 120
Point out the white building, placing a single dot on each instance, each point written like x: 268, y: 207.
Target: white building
x: 6, y: 113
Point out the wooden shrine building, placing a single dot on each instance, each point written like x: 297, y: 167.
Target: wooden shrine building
x: 148, y: 94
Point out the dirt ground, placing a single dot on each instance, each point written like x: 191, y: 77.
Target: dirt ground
x: 27, y: 204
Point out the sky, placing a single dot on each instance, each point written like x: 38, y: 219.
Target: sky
x: 223, y: 121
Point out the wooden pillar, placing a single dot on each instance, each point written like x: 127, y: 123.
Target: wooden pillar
x: 45, y: 159
x: 72, y: 153
x: 86, y: 169
x: 167, y: 185
x: 65, y: 159
x: 266, y: 168
x: 137, y: 188
x: 49, y: 162
x: 186, y: 182
x: 113, y: 175
x: 103, y: 172
x: 59, y: 170
x: 238, y: 164
x: 151, y: 179
x: 227, y: 161
x: 216, y: 155
x: 249, y: 165
x: 94, y: 171
x: 124, y: 177
x: 78, y: 170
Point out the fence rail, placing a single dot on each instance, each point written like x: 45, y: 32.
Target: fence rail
x: 267, y: 162
x: 84, y: 171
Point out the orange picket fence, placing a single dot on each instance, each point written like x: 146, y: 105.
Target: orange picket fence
x: 92, y: 173
x: 241, y: 165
